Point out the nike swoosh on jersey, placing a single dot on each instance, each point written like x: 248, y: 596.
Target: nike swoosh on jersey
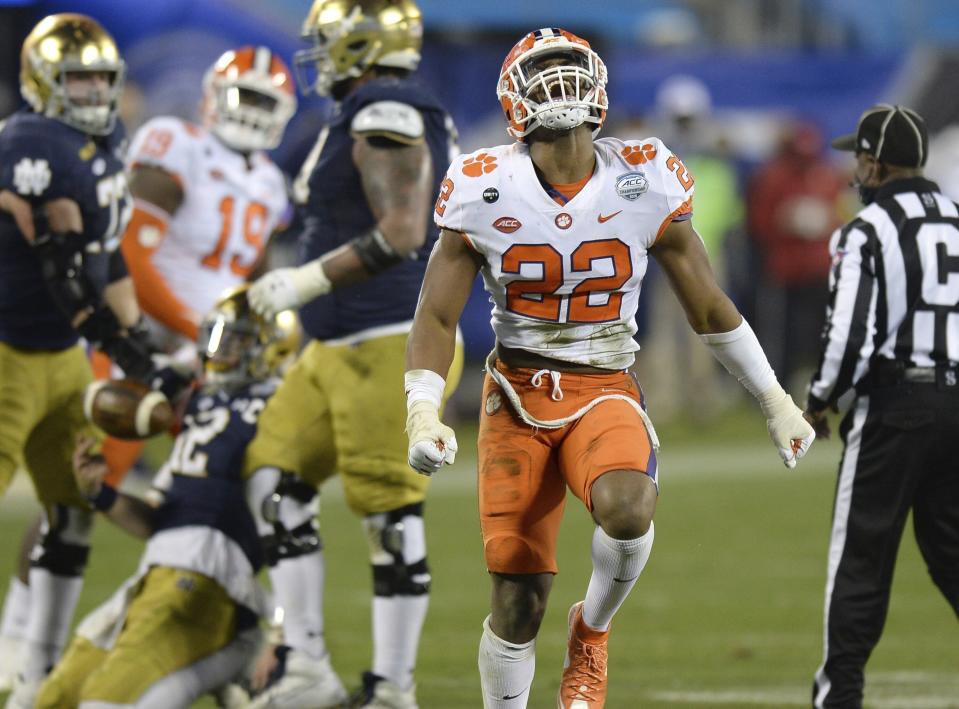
x: 625, y: 580
x: 606, y: 218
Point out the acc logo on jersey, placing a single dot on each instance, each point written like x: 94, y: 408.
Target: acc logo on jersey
x: 507, y: 225
x: 631, y: 185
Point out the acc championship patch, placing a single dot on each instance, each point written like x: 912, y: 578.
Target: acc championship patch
x: 631, y: 185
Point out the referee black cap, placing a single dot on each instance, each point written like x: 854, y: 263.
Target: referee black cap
x: 892, y: 134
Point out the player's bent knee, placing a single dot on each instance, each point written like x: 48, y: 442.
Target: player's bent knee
x: 623, y: 503
x: 397, y: 545
x: 284, y: 509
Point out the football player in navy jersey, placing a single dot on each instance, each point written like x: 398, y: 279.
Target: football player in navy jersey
x: 186, y: 622
x: 365, y: 191
x: 64, y: 204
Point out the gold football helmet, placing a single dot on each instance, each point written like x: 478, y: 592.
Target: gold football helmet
x: 349, y: 37
x: 64, y: 45
x: 236, y: 345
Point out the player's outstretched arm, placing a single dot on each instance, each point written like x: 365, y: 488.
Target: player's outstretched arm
x: 449, y: 278
x: 129, y: 513
x: 397, y: 182
x: 713, y: 315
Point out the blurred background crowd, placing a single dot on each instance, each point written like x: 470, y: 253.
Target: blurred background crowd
x: 747, y: 92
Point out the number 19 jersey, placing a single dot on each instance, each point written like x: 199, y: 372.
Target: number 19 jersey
x: 565, y: 279
x: 231, y: 205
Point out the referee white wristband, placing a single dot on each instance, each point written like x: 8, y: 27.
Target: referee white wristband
x: 741, y: 354
x: 423, y: 385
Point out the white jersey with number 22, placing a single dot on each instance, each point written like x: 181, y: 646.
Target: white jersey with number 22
x: 565, y: 279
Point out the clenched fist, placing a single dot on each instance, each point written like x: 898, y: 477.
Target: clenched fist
x: 432, y: 443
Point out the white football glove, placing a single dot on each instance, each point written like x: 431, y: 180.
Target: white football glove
x: 432, y: 443
x: 790, y: 432
x: 286, y: 288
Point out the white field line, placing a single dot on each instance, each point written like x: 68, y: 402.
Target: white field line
x: 884, y: 690
x: 729, y: 461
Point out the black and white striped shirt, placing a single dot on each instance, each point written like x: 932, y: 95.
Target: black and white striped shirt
x: 894, y: 288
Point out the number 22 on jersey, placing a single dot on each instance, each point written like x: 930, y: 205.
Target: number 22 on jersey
x: 537, y: 297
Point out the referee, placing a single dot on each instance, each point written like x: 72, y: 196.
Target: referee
x: 891, y: 348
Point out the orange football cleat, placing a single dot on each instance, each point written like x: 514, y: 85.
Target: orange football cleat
x: 584, y: 670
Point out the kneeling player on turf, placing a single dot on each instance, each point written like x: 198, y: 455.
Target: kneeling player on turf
x: 187, y: 622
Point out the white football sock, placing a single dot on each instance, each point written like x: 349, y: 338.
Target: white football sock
x: 16, y: 609
x: 506, y: 670
x: 53, y: 600
x: 298, y: 589
x: 617, y: 564
x: 397, y: 624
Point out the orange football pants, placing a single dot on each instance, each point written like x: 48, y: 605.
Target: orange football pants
x: 524, y: 471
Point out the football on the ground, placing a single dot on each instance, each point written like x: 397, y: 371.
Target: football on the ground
x: 127, y: 408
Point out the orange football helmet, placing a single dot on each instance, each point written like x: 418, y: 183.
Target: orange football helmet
x: 248, y: 98
x: 552, y: 78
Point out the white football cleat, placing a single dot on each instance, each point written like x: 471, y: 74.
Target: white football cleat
x: 306, y: 683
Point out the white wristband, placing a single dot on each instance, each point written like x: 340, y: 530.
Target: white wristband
x: 741, y: 354
x: 423, y: 385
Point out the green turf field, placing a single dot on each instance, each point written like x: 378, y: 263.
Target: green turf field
x: 727, y: 613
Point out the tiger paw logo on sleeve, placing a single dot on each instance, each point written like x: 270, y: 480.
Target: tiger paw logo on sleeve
x: 638, y: 154
x: 479, y: 165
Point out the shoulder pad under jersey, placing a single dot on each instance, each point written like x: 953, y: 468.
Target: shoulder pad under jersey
x: 389, y: 119
x: 471, y: 180
x: 167, y: 143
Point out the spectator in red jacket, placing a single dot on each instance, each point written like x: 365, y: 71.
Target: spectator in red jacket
x: 793, y: 205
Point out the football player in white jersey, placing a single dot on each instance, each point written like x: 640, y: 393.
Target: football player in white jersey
x: 561, y: 226
x: 208, y: 198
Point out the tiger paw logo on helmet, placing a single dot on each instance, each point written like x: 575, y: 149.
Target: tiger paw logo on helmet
x: 479, y: 165
x: 638, y: 154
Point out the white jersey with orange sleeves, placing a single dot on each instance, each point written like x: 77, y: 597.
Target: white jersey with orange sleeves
x: 230, y: 207
x: 565, y: 279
